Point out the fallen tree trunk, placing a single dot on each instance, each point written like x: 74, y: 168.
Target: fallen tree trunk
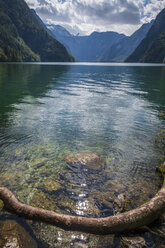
x: 132, y: 219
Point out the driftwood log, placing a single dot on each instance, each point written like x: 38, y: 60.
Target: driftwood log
x: 141, y: 216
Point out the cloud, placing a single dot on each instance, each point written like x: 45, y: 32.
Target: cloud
x: 152, y: 8
x: 86, y: 16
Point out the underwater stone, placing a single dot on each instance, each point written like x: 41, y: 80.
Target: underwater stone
x: 42, y: 200
x: 132, y: 242
x: 121, y: 204
x: 51, y: 185
x: 11, y: 242
x: 1, y: 205
x: 38, y: 162
x: 91, y: 160
x: 14, y: 235
x: 161, y: 169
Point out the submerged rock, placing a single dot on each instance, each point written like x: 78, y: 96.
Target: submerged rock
x: 1, y: 205
x: 91, y: 160
x: 13, y: 235
x: 121, y: 204
x: 161, y: 169
x: 64, y: 204
x: 132, y: 242
x: 38, y: 162
x: 42, y: 200
x: 11, y: 242
x: 50, y: 185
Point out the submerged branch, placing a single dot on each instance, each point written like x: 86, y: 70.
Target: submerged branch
x: 132, y: 219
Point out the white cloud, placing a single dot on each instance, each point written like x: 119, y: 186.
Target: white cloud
x: 151, y: 10
x: 86, y: 16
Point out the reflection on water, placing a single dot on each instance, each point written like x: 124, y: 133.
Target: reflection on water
x: 49, y: 111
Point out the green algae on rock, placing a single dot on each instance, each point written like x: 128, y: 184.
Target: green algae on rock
x: 63, y: 204
x: 161, y: 169
x: 91, y: 160
x: 42, y: 200
x: 50, y: 184
x: 1, y: 205
x: 38, y: 162
x: 46, y: 201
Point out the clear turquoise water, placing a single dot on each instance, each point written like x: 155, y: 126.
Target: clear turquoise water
x: 50, y: 110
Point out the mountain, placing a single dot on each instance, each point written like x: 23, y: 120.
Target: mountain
x: 40, y: 21
x: 85, y: 48
x: 61, y: 34
x: 97, y: 43
x: 148, y: 46
x: 12, y: 46
x: 156, y: 53
x: 23, y: 38
x: 58, y: 30
x: 119, y: 51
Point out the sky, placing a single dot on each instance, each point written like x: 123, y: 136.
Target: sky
x: 85, y: 16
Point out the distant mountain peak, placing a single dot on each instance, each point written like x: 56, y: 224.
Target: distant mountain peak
x: 58, y: 29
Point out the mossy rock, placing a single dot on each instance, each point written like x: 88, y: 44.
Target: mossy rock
x: 104, y: 197
x: 50, y: 185
x: 65, y: 203
x: 42, y: 200
x: 91, y: 160
x: 114, y: 186
x: 45, y: 201
x: 1, y: 205
x: 12, y: 178
x: 161, y: 169
x: 38, y: 162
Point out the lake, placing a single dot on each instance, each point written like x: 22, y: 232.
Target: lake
x: 50, y: 110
